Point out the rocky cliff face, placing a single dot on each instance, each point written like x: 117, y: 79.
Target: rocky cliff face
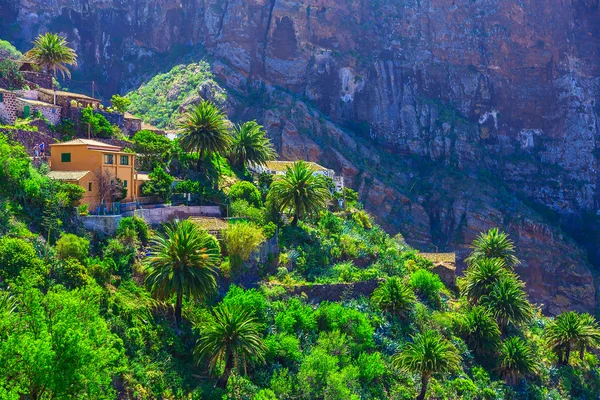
x: 449, y: 117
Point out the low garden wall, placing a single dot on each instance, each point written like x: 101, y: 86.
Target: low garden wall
x: 317, y: 293
x: 158, y: 216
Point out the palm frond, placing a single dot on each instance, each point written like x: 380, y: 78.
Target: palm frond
x: 52, y: 52
x: 493, y: 244
x: 250, y: 145
x: 205, y: 129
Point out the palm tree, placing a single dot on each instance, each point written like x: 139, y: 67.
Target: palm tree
x: 51, y: 51
x: 232, y: 335
x: 480, y: 276
x: 428, y: 354
x: 591, y: 337
x: 571, y: 330
x: 507, y: 302
x: 494, y: 244
x: 250, y: 145
x: 481, y: 331
x: 515, y: 360
x: 394, y: 296
x: 183, y: 261
x: 300, y: 191
x: 205, y: 129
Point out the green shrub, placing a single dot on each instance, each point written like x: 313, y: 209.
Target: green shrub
x: 72, y: 273
x: 362, y: 219
x: 314, y: 371
x: 153, y: 150
x: 283, y: 348
x: 9, y: 70
x: 98, y: 123
x: 427, y: 284
x: 283, y: 384
x: 295, y: 316
x: 120, y: 103
x: 248, y: 299
x: 371, y: 367
x: 241, y: 240
x: 160, y: 184
x: 11, y: 50
x: 72, y: 246
x: 17, y: 256
x: 245, y: 190
x: 334, y: 316
x: 120, y: 254
x: 241, y: 208
x: 138, y: 225
x: 331, y: 224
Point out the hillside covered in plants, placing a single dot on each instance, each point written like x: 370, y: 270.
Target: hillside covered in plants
x: 170, y: 312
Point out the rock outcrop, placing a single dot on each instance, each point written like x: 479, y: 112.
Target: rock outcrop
x: 448, y: 117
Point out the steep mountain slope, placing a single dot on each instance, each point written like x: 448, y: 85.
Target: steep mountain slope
x: 450, y: 117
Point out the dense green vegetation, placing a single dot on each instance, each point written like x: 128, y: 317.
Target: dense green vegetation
x: 10, y: 50
x: 91, y: 317
x: 158, y: 101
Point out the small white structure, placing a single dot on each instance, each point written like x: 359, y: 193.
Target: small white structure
x: 280, y: 167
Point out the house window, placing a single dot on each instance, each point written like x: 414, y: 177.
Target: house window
x: 65, y: 157
x: 89, y: 186
x: 54, y: 111
x: 124, y: 184
x: 124, y: 160
x: 1, y: 98
x: 109, y: 159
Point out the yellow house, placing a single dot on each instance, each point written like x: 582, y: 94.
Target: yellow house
x: 89, y: 164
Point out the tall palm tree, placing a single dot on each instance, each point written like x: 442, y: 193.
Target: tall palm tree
x: 494, y: 244
x: 232, y: 336
x: 516, y: 360
x: 251, y: 145
x: 394, y: 296
x: 183, y: 261
x: 300, y: 191
x: 569, y: 331
x: 480, y: 276
x: 481, y: 331
x: 428, y: 354
x: 205, y: 129
x: 51, y: 52
x: 507, y: 302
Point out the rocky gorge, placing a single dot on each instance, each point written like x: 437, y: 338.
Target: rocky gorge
x: 448, y: 117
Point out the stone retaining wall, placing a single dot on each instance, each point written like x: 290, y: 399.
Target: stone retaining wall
x: 113, y: 117
x: 30, y: 94
x: 8, y: 108
x: 39, y: 79
x: 333, y: 292
x: 29, y: 139
x: 106, y: 224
